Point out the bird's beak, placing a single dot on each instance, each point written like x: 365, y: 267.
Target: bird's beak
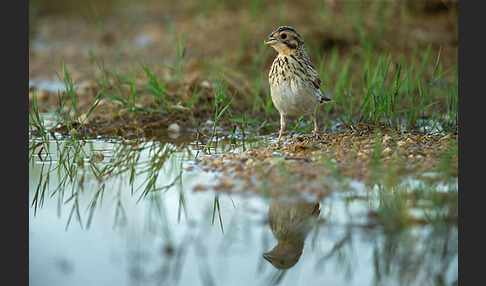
x: 270, y: 40
x: 269, y: 256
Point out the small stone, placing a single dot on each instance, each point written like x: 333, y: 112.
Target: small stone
x: 387, y: 151
x: 42, y: 95
x: 249, y: 162
x: 386, y: 138
x: 199, y: 188
x: 174, y: 128
x: 97, y: 157
x: 83, y: 118
x: 227, y: 182
x: 205, y: 160
x: 215, y: 163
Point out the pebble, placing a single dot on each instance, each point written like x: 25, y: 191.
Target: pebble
x: 97, y: 157
x: 42, y: 95
x: 174, y: 128
x: 249, y: 162
x: 83, y: 118
x: 387, y: 151
x: 385, y: 139
x: 215, y: 163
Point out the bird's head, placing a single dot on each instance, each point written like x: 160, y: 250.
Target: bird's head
x: 284, y: 255
x: 285, y: 40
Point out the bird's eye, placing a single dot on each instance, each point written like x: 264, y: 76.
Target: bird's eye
x: 283, y: 36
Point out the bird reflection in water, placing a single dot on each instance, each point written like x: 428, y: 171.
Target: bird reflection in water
x: 290, y: 222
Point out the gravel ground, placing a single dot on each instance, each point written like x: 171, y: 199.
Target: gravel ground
x: 315, y: 164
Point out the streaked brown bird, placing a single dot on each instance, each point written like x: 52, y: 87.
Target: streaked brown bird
x: 290, y: 223
x: 294, y: 82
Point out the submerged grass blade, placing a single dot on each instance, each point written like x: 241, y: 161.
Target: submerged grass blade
x: 217, y: 209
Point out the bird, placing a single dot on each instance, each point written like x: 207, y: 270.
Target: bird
x: 290, y: 223
x: 294, y: 82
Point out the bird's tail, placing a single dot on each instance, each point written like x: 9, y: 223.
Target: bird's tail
x: 325, y: 99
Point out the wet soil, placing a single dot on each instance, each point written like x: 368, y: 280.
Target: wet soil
x: 314, y: 165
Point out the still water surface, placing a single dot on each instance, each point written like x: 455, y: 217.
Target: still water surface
x: 125, y: 213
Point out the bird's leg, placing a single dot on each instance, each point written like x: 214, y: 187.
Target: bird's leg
x: 282, y: 127
x: 314, y: 132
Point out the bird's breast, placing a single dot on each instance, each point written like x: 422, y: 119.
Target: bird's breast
x: 291, y: 93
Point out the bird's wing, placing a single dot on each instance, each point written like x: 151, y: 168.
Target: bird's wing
x: 316, y: 80
x: 311, y: 70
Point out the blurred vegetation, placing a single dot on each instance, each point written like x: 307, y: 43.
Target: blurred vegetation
x: 385, y: 63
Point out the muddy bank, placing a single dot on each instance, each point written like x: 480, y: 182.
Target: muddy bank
x: 314, y: 165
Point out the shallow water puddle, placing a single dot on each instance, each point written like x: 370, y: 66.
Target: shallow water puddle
x: 125, y: 213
